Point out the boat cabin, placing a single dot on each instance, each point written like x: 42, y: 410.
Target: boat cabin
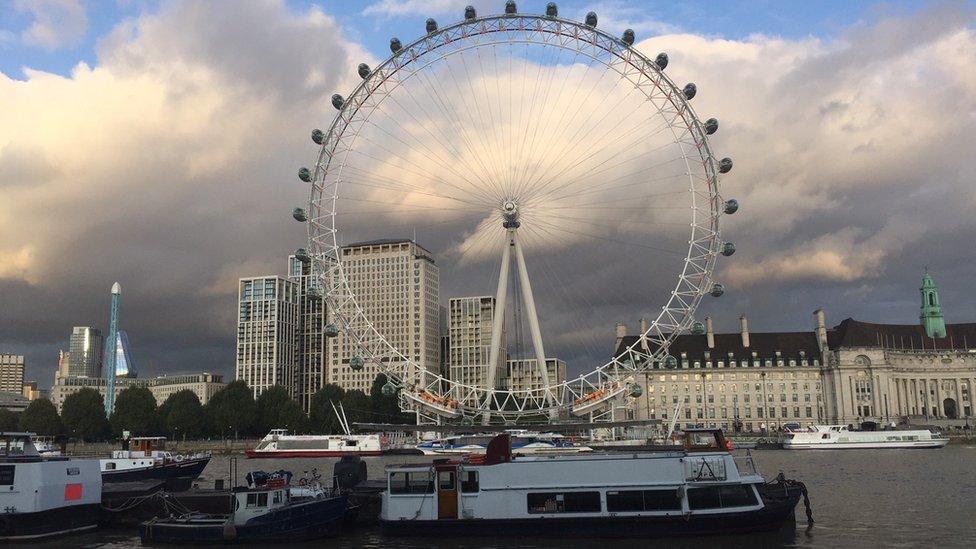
x: 255, y: 502
x: 18, y: 447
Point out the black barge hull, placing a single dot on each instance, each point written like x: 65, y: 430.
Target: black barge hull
x: 178, y: 475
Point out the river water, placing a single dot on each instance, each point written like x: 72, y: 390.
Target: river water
x: 860, y: 498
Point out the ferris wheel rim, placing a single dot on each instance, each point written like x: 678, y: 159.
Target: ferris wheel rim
x: 686, y: 294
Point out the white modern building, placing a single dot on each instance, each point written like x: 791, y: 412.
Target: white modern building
x: 396, y: 283
x: 268, y: 327
x: 204, y: 385
x: 11, y: 374
x: 469, y: 344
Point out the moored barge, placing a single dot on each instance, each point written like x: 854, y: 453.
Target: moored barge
x: 699, y: 489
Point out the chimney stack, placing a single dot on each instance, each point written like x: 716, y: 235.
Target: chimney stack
x: 709, y: 334
x: 820, y: 323
x: 643, y: 325
x: 621, y: 330
x: 744, y: 330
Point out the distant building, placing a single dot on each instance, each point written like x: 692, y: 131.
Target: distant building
x: 203, y: 385
x: 15, y: 402
x: 32, y: 392
x: 11, y: 374
x: 85, y: 352
x: 524, y: 375
x: 268, y: 333
x: 396, y: 283
x: 470, y: 329
x: 312, y: 343
x: 124, y: 367
x: 854, y: 372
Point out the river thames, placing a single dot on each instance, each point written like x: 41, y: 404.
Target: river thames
x: 860, y: 498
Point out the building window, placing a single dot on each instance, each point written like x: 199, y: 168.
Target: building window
x: 563, y: 502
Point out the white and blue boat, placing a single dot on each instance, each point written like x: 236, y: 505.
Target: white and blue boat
x: 523, y: 442
x: 266, y: 511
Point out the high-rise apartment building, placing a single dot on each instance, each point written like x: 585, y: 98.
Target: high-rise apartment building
x: 85, y: 352
x: 470, y: 329
x: 312, y: 343
x: 11, y: 374
x: 523, y: 374
x: 396, y: 283
x: 267, y: 332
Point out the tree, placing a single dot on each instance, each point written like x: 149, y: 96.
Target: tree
x: 277, y: 410
x: 232, y: 410
x: 386, y: 408
x: 135, y: 411
x: 182, y: 415
x: 321, y: 415
x: 41, y: 417
x: 83, y: 414
x: 357, y: 406
x: 8, y: 420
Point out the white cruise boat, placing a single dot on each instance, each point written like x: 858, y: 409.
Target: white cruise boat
x: 839, y: 437
x: 279, y: 444
x: 523, y: 442
x: 697, y: 489
x: 43, y: 497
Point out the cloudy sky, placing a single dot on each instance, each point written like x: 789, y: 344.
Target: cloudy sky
x: 155, y: 143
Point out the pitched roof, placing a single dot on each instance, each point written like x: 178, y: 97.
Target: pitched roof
x: 764, y: 344
x: 855, y: 333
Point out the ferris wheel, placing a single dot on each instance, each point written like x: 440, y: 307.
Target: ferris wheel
x: 522, y: 144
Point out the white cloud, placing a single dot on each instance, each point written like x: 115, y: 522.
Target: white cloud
x: 615, y: 16
x: 399, y: 8
x: 57, y: 23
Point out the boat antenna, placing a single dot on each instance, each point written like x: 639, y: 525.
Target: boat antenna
x: 340, y: 417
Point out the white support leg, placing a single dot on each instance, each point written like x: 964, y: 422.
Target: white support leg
x: 497, y: 324
x: 540, y: 352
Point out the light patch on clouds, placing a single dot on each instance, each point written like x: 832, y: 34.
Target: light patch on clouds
x: 57, y: 23
x: 400, y: 8
x: 615, y: 16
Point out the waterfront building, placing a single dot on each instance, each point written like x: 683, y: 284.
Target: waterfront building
x: 470, y: 330
x: 854, y: 372
x: 523, y: 374
x: 396, y: 283
x: 312, y: 343
x: 85, y: 352
x: 204, y: 385
x: 11, y: 373
x: 267, y: 333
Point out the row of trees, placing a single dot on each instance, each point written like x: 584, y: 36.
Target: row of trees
x: 231, y: 412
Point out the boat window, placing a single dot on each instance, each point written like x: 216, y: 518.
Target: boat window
x: 257, y: 499
x: 110, y: 466
x: 564, y: 502
x: 277, y: 497
x: 414, y: 482
x: 715, y: 497
x: 350, y: 442
x: 445, y: 480
x: 469, y: 482
x: 643, y: 500
x: 7, y: 473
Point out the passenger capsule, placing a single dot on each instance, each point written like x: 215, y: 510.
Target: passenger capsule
x: 395, y: 45
x: 470, y: 13
x: 628, y: 37
x: 357, y: 363
x: 364, y: 71
x: 431, y: 25
x: 690, y: 91
x: 331, y: 330
x: 725, y: 165
x: 304, y: 174
x: 670, y: 362
x: 388, y: 389
x: 636, y: 390
x: 314, y: 293
x: 337, y: 101
x: 728, y: 249
x: 510, y: 7
x: 731, y: 206
x: 317, y: 136
x: 302, y: 255
x: 717, y: 290
x: 552, y: 10
x: 590, y: 19
x: 299, y: 215
x: 698, y: 328
x: 661, y: 60
x: 711, y: 126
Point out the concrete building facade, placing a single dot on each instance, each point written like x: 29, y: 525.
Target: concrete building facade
x: 397, y: 284
x: 11, y: 374
x: 204, y: 385
x: 268, y: 327
x: 469, y: 347
x: 524, y: 375
x: 312, y: 344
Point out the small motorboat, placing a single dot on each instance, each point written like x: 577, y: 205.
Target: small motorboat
x: 146, y: 459
x: 268, y: 509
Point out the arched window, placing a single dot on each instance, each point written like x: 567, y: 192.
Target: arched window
x: 932, y: 300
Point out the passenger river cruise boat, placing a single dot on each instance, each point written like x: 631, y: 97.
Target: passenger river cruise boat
x: 279, y: 444
x: 523, y: 442
x: 839, y: 437
x: 692, y: 490
x: 146, y: 458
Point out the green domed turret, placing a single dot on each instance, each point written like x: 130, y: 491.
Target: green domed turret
x: 931, y: 316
